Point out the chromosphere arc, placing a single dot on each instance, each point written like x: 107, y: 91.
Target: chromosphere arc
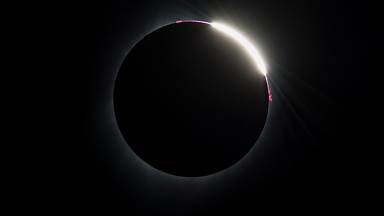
x: 243, y: 41
x: 238, y: 37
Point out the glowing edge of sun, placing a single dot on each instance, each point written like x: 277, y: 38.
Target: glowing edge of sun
x: 239, y: 38
x: 243, y: 41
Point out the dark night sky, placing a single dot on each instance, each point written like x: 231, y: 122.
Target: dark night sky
x: 312, y: 149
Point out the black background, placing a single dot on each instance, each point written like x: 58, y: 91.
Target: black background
x: 314, y: 152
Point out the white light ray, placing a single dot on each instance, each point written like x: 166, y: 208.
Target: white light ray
x: 244, y: 42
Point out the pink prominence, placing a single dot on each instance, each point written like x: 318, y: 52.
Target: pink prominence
x: 269, y: 90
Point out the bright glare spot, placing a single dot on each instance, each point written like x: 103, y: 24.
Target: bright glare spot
x: 243, y: 41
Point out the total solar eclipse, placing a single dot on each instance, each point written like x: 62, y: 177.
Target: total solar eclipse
x: 191, y: 98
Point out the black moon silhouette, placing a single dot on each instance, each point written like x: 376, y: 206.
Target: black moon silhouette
x: 189, y: 101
